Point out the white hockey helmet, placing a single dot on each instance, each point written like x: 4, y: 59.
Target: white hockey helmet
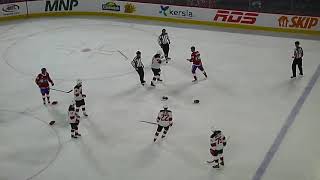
x: 165, y: 107
x: 79, y: 81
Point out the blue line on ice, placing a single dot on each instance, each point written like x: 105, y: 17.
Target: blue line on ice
x: 284, y: 129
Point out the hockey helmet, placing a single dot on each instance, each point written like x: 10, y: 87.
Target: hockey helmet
x: 43, y: 70
x: 79, y: 81
x: 193, y: 48
x: 165, y: 107
x: 297, y: 43
x: 138, y: 52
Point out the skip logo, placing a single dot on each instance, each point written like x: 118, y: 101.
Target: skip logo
x: 167, y: 11
x: 60, y: 5
x: 298, y: 22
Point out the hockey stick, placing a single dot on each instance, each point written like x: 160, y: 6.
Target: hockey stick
x: 61, y: 90
x: 149, y: 122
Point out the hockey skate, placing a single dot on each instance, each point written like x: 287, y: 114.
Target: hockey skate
x: 78, y: 134
x: 160, y: 80
x: 222, y: 163
x: 73, y: 136
x: 152, y: 84
x: 85, y: 114
x: 216, y: 166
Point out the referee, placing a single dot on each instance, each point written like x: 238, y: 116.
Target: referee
x: 164, y: 42
x: 138, y: 65
x: 297, y: 59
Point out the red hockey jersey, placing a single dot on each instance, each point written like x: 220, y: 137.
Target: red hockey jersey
x: 43, y: 80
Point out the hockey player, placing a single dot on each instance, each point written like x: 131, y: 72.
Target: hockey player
x: 79, y: 98
x: 164, y: 121
x: 138, y: 66
x: 297, y: 59
x: 74, y: 121
x: 217, y: 143
x: 164, y: 42
x: 42, y: 81
x: 155, y: 67
x: 196, y: 63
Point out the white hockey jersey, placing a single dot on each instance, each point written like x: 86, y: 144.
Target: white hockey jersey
x: 72, y: 114
x: 156, y: 62
x: 78, y: 93
x: 217, y: 140
x: 164, y: 118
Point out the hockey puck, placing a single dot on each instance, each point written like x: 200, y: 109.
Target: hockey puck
x: 196, y: 101
x: 54, y: 102
x: 164, y: 98
x: 52, y: 123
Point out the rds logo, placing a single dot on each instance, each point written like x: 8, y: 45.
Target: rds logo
x: 167, y: 11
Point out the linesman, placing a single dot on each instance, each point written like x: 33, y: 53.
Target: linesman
x: 164, y: 42
x: 297, y: 59
x: 138, y: 66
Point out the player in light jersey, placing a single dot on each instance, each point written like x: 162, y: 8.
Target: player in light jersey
x: 79, y: 98
x: 164, y: 121
x: 74, y: 121
x: 42, y: 81
x: 196, y: 63
x: 217, y: 143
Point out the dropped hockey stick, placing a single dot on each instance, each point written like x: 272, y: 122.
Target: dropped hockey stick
x: 149, y: 122
x: 61, y: 90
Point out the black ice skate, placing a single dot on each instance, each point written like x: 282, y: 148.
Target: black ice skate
x: 152, y: 84
x: 73, y: 136
x: 85, y: 114
x: 163, y: 136
x: 293, y: 77
x: 78, y: 134
x: 216, y: 166
x: 160, y: 80
x: 222, y: 163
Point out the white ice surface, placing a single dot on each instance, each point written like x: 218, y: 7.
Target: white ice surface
x: 248, y: 95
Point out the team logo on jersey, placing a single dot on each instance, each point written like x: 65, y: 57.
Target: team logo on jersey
x: 167, y: 11
x: 298, y: 22
x: 111, y: 6
x: 236, y: 17
x: 129, y: 8
x: 10, y: 9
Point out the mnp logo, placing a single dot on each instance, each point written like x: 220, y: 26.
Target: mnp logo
x: 236, y: 17
x: 167, y: 11
x: 298, y: 22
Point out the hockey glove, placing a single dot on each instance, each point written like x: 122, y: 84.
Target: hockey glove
x: 224, y: 144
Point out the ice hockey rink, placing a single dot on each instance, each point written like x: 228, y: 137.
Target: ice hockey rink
x: 248, y: 95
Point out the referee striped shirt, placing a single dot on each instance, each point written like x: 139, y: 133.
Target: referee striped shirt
x: 136, y: 62
x: 298, y: 53
x: 164, y: 39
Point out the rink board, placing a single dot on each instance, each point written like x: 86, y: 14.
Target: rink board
x: 176, y: 14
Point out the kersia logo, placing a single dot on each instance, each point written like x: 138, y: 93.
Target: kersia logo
x: 167, y: 11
